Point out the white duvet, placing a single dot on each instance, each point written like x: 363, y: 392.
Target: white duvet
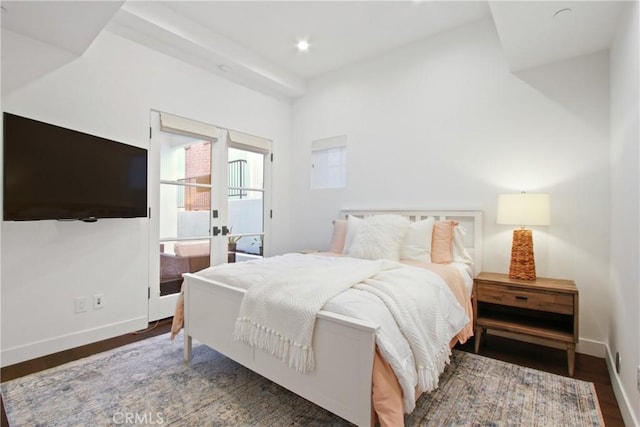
x: 415, y: 309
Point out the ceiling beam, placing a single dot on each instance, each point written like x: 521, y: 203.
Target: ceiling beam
x: 158, y: 27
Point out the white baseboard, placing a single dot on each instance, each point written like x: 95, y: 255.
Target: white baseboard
x: 623, y: 400
x: 11, y: 356
x: 592, y: 348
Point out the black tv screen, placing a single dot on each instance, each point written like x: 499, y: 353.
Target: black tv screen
x: 55, y: 173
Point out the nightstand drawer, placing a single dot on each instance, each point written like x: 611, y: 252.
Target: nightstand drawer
x: 554, y: 302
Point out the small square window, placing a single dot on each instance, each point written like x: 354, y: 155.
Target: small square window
x: 328, y: 163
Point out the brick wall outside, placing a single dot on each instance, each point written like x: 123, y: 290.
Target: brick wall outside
x: 198, y: 160
x: 198, y: 169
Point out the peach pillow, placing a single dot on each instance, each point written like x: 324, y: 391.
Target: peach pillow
x: 339, y: 236
x: 442, y: 241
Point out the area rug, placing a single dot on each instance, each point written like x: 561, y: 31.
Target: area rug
x: 147, y: 383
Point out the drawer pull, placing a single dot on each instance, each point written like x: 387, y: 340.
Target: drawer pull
x: 521, y: 298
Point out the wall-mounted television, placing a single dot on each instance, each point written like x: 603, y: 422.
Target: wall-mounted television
x: 51, y: 172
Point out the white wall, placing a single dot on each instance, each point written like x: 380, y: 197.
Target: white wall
x: 624, y: 331
x: 443, y: 123
x: 109, y: 92
x: 439, y: 124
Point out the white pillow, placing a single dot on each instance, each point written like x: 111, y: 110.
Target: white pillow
x: 459, y: 252
x: 416, y: 245
x: 379, y: 237
x: 353, y: 223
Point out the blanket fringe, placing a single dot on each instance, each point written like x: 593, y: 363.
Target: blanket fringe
x: 429, y: 376
x: 297, y: 356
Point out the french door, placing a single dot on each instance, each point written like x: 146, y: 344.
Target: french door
x: 246, y: 207
x: 208, y: 202
x: 185, y: 187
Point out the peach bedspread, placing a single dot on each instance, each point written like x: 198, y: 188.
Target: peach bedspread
x: 386, y: 391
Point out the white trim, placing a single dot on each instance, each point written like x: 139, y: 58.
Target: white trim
x: 626, y: 409
x: 591, y: 348
x: 187, y: 127
x: 326, y: 143
x: 248, y: 142
x: 41, y: 348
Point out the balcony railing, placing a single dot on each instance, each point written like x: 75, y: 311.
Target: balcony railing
x: 237, y: 178
x: 199, y: 198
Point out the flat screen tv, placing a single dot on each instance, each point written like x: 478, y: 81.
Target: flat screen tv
x: 55, y: 173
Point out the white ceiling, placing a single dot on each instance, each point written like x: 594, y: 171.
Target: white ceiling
x: 340, y: 33
x: 68, y: 25
x: 253, y: 42
x: 543, y: 32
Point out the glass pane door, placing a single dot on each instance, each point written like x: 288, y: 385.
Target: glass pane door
x: 183, y: 243
x: 245, y: 199
x: 185, y: 214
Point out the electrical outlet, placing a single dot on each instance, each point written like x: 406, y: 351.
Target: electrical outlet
x: 81, y: 304
x: 98, y: 301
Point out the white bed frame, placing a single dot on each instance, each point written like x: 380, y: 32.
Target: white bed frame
x: 343, y: 346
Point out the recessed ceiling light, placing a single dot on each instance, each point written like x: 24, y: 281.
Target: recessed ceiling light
x: 302, y: 45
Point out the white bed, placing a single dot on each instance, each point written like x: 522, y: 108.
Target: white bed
x: 344, y: 347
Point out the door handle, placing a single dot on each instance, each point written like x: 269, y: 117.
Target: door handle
x: 216, y: 230
x: 225, y: 230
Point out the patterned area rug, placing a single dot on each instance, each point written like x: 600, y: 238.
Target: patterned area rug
x: 146, y: 383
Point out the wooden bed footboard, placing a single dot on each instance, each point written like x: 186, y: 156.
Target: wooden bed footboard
x: 344, y: 350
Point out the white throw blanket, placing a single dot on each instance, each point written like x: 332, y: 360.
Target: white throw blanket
x: 279, y: 314
x: 426, y: 313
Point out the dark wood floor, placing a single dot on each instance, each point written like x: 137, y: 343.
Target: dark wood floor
x: 587, y: 368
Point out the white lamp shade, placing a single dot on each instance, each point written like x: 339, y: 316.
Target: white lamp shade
x: 523, y: 209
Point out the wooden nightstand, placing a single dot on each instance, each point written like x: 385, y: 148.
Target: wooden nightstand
x: 541, y: 308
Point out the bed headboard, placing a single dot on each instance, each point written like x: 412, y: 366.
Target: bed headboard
x: 470, y: 220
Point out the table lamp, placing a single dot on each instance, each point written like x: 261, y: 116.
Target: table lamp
x: 523, y: 209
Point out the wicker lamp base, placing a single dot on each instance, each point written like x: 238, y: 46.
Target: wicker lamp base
x: 523, y: 265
